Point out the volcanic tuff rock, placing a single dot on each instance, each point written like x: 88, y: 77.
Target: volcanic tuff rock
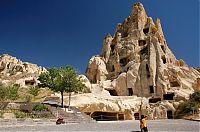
x: 14, y: 71
x: 137, y: 62
x: 138, y: 59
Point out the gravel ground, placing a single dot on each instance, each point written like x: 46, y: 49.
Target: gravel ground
x: 121, y: 126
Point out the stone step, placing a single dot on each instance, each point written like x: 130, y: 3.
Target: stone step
x: 76, y: 116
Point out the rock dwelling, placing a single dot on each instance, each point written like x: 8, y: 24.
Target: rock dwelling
x: 138, y: 71
x: 135, y: 74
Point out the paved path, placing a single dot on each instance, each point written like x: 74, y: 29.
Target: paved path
x: 121, y: 126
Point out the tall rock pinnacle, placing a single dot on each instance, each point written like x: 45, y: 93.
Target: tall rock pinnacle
x: 137, y: 61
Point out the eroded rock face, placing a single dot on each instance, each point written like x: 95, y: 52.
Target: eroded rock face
x: 14, y: 71
x: 137, y: 57
x: 137, y: 61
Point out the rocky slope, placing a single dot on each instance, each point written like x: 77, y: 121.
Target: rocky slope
x: 14, y: 71
x: 137, y: 62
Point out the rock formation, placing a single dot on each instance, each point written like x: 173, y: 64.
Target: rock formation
x: 138, y: 59
x: 137, y: 62
x: 135, y: 74
x: 14, y: 71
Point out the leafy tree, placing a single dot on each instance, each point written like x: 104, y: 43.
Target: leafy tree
x: 34, y: 91
x: 63, y: 79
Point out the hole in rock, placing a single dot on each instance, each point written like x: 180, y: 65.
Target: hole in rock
x: 141, y: 42
x: 151, y: 89
x: 169, y: 96
x: 130, y: 91
x: 146, y: 30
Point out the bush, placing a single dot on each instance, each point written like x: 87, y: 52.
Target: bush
x: 39, y: 107
x: 189, y: 106
x: 34, y: 91
x: 12, y: 92
x: 9, y: 92
x: 20, y: 114
x: 28, y: 98
x: 195, y: 96
x: 3, y: 92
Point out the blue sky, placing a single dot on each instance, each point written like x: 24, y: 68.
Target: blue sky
x: 68, y: 32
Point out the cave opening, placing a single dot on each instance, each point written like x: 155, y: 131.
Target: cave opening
x: 169, y: 96
x: 164, y: 60
x: 169, y: 114
x: 112, y: 47
x: 163, y: 48
x: 112, y: 92
x: 137, y: 116
x: 147, y: 71
x: 30, y: 82
x: 123, y: 61
x: 113, y: 68
x: 141, y: 42
x: 107, y: 116
x: 151, y: 89
x: 130, y: 91
x: 146, y: 30
x: 174, y: 84
x: 154, y: 100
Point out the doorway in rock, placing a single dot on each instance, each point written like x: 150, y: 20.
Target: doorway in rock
x: 164, y: 60
x: 112, y: 92
x: 154, y: 100
x: 130, y: 91
x: 169, y: 96
x: 151, y: 89
x: 120, y: 116
x: 137, y: 116
x: 30, y: 82
x: 169, y: 114
x: 147, y: 71
x: 105, y: 116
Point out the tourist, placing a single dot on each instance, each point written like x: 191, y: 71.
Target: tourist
x: 60, y: 120
x: 143, y: 123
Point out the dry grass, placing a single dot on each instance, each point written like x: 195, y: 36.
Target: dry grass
x: 24, y: 95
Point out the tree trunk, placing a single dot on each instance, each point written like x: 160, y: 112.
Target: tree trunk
x: 69, y: 100
x: 61, y: 92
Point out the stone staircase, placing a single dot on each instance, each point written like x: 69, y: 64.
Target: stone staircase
x: 73, y: 116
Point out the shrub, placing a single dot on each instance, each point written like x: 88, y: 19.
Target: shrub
x: 12, y: 92
x: 195, y: 96
x: 20, y: 114
x: 39, y: 107
x: 189, y: 106
x: 34, y: 91
x: 3, y: 92
x: 28, y: 98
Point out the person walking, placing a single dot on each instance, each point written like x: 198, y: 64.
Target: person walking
x: 143, y: 123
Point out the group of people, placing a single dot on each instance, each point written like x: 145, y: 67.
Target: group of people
x: 143, y: 123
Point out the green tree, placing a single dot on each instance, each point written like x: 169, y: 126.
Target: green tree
x: 34, y: 91
x: 63, y: 79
